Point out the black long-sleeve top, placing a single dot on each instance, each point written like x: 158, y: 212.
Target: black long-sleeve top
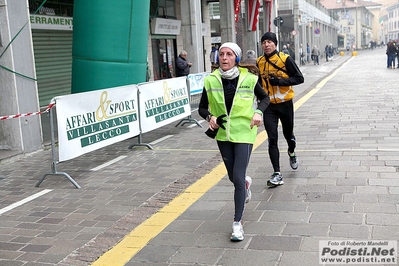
x: 262, y: 98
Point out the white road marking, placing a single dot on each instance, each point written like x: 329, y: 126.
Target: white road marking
x: 108, y: 163
x: 161, y: 139
x: 21, y: 202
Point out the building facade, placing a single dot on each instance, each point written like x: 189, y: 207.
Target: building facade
x: 306, y: 22
x: 393, y: 23
x: 355, y: 20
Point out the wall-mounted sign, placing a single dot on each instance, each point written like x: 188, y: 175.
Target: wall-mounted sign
x: 165, y: 26
x: 216, y: 39
x: 51, y: 22
x: 305, y: 18
x: 204, y: 29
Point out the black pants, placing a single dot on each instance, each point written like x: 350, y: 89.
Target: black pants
x: 285, y: 113
x: 236, y: 158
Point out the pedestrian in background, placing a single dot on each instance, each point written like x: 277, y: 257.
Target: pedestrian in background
x: 250, y: 58
x: 285, y: 50
x: 307, y: 52
x: 326, y: 52
x: 214, y: 54
x: 227, y: 103
x: 330, y: 51
x: 391, y: 54
x: 182, y: 66
x: 315, y: 54
x: 397, y: 54
x: 278, y: 72
x: 301, y: 55
x: 291, y: 52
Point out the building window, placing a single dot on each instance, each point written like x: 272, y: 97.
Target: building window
x: 163, y: 9
x: 214, y: 10
x: 52, y: 8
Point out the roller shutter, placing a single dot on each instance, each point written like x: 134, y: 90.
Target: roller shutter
x: 53, y: 60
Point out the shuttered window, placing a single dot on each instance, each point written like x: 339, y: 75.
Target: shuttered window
x: 53, y: 61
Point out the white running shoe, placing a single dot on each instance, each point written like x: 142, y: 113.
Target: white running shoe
x: 275, y: 180
x: 238, y: 232
x: 293, y: 160
x: 248, y: 183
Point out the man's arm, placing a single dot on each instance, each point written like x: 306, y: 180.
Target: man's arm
x: 295, y: 75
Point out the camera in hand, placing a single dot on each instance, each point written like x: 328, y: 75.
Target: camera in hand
x: 273, y: 80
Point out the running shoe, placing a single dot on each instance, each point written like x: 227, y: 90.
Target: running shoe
x: 238, y: 232
x: 248, y: 183
x: 275, y: 180
x: 293, y: 161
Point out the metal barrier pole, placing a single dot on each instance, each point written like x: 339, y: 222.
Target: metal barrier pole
x: 54, y: 162
x: 139, y: 143
x: 189, y: 119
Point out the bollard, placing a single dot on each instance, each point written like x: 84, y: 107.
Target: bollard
x: 354, y: 53
x: 341, y: 53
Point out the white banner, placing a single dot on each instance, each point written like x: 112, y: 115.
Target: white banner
x: 92, y: 120
x: 163, y: 102
x: 196, y: 82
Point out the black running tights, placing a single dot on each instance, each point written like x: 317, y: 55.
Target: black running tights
x: 285, y: 112
x: 236, y: 158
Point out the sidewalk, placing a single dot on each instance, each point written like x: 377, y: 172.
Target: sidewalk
x: 347, y: 136
x: 346, y: 186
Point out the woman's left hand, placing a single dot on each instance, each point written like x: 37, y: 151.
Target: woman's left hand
x: 256, y: 120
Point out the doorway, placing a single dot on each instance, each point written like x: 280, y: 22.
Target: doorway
x: 163, y: 51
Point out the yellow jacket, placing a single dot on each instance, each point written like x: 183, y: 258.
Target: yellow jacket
x: 268, y: 68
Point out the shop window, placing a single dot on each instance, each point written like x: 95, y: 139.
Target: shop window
x: 52, y: 7
x: 163, y: 8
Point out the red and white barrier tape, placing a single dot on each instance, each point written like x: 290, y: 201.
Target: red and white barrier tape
x: 27, y: 114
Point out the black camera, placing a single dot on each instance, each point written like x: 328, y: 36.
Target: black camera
x: 271, y: 77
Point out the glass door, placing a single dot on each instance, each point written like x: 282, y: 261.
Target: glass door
x: 163, y: 58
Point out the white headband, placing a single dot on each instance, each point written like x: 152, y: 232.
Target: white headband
x: 233, y: 46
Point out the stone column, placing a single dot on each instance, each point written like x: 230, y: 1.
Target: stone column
x: 19, y: 91
x: 191, y: 32
x: 227, y: 22
x: 207, y: 36
x: 250, y: 38
x: 296, y: 27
